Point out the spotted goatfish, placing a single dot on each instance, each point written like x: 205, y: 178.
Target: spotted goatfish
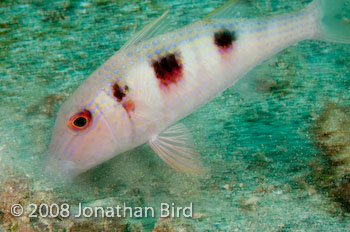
x: 140, y: 93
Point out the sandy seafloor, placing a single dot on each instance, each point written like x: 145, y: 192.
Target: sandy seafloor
x: 265, y: 141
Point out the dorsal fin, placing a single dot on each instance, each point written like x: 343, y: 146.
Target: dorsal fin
x: 157, y: 27
x: 233, y: 9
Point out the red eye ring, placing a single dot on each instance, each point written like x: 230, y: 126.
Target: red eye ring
x: 80, y: 120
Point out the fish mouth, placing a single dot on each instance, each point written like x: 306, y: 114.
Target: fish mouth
x: 59, y: 163
x: 60, y: 169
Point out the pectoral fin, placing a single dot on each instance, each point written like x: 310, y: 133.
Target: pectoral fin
x: 175, y: 146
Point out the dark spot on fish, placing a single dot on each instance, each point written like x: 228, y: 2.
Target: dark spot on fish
x: 118, y: 92
x: 168, y: 69
x: 224, y: 38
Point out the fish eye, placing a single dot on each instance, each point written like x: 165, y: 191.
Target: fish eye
x: 80, y: 121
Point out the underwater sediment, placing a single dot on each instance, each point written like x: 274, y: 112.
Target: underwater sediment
x: 333, y: 137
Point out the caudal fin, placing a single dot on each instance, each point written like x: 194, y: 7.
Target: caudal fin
x: 334, y: 21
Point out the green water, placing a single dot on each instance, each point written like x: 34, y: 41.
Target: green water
x: 257, y: 139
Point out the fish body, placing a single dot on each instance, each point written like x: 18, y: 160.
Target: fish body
x: 138, y: 94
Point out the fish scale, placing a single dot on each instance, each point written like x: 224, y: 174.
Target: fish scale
x: 143, y: 90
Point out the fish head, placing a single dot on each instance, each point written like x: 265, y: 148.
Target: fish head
x: 90, y: 128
